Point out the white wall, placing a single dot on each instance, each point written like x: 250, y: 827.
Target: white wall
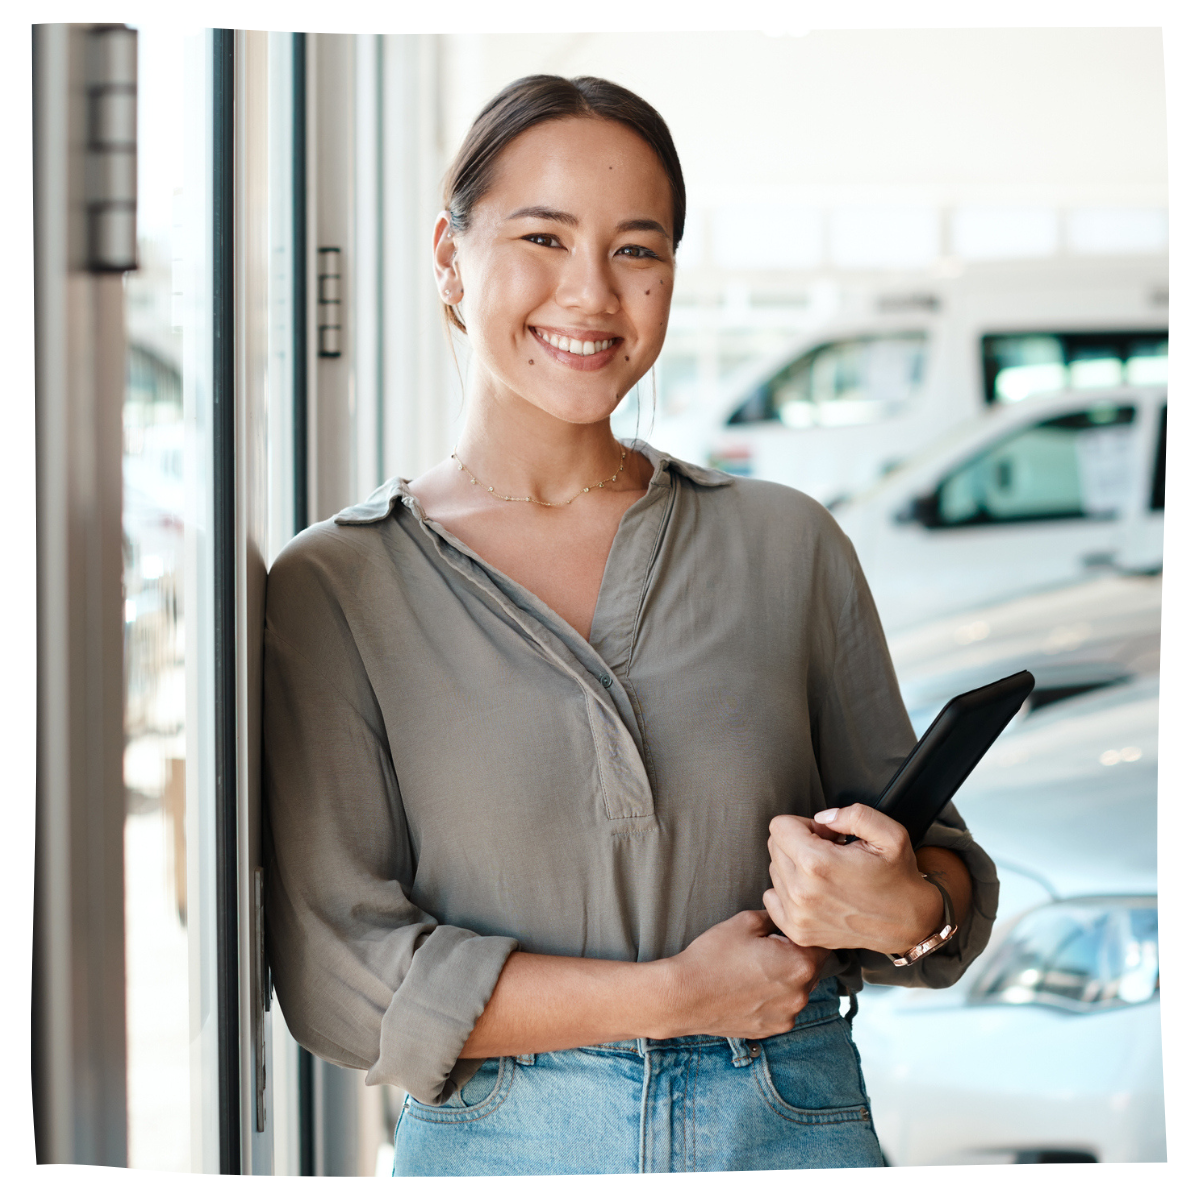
x: 1056, y: 115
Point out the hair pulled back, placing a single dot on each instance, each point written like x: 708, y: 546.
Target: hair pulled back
x: 537, y: 98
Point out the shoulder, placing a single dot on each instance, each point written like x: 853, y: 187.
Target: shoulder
x: 783, y: 539
x: 761, y: 507
x: 319, y: 558
x: 320, y: 571
x: 776, y: 502
x: 341, y: 541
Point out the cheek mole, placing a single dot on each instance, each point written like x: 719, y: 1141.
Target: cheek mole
x: 647, y: 291
x: 531, y: 362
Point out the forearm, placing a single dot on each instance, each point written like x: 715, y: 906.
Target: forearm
x: 951, y: 872
x: 734, y: 980
x: 542, y: 1002
x: 946, y: 868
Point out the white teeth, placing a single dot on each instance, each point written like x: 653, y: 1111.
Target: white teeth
x: 574, y: 346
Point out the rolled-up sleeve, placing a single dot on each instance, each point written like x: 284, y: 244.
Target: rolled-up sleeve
x: 364, y: 976
x: 862, y: 736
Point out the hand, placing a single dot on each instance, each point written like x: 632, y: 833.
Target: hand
x: 866, y: 895
x: 742, y: 979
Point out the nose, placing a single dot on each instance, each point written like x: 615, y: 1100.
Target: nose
x: 587, y: 283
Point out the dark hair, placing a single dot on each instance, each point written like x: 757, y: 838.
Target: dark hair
x: 537, y: 98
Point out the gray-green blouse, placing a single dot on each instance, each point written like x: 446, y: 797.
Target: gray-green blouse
x: 452, y: 771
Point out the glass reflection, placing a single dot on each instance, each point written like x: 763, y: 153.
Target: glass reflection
x: 156, y: 915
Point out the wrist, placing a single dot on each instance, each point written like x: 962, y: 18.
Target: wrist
x: 926, y: 917
x: 671, y: 1002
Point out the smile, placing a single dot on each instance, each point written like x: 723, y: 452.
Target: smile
x: 573, y: 345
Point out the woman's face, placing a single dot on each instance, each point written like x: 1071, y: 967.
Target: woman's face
x: 566, y: 270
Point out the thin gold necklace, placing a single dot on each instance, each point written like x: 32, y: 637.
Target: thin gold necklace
x: 462, y: 466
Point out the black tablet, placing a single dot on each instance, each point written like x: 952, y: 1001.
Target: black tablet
x: 949, y: 751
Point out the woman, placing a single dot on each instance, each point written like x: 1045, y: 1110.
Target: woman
x: 559, y: 735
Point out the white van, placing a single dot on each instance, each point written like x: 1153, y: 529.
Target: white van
x: 840, y: 406
x: 1025, y: 497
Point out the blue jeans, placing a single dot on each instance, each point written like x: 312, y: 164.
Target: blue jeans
x: 682, y: 1104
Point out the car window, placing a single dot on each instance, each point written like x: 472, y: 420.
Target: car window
x: 1158, y: 488
x: 849, y: 382
x: 1017, y: 365
x: 1078, y: 465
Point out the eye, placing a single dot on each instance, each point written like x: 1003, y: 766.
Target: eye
x: 637, y: 252
x: 542, y: 239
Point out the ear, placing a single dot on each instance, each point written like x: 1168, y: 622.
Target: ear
x: 444, y: 269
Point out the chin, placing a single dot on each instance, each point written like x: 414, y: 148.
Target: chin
x: 585, y: 411
x: 586, y: 416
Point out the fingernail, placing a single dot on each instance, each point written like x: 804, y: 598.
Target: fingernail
x: 826, y: 815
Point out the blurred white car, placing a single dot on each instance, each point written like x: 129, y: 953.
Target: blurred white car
x: 896, y: 365
x: 1075, y: 638
x: 1049, y: 1048
x: 1021, y: 498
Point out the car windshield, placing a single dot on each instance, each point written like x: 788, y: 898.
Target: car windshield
x: 1018, y: 365
x: 849, y: 382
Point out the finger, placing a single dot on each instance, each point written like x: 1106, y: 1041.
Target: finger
x: 873, y: 827
x: 758, y: 921
x: 791, y: 836
x: 805, y: 848
x: 783, y: 822
x: 781, y: 860
x: 830, y: 835
x: 774, y: 908
x: 789, y: 885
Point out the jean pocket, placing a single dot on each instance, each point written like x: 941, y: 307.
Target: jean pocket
x: 479, y: 1097
x: 811, y: 1075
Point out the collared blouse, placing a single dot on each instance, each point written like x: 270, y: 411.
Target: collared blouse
x: 452, y: 771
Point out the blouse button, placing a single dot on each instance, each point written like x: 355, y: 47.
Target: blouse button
x: 606, y: 681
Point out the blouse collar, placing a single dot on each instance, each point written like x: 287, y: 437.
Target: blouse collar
x: 379, y: 504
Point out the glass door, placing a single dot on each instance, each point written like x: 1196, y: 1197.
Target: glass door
x: 210, y: 497
x: 171, y: 959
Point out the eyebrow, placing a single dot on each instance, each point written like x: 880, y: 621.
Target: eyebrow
x: 544, y: 214
x: 541, y: 213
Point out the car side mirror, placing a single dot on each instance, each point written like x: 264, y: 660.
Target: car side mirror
x: 925, y: 510
x: 928, y: 510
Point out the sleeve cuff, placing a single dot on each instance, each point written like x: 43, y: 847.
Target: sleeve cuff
x: 434, y: 1010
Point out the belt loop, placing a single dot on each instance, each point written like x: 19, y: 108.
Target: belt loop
x: 741, y: 1054
x: 642, y: 1044
x: 852, y: 1010
x: 526, y: 1060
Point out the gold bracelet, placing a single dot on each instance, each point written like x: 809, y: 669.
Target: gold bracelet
x: 939, y: 938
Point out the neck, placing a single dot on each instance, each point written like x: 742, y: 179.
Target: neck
x: 522, y: 450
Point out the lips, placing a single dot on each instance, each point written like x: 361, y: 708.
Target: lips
x: 581, y: 349
x: 586, y: 347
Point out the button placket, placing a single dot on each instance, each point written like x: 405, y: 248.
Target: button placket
x: 624, y: 779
